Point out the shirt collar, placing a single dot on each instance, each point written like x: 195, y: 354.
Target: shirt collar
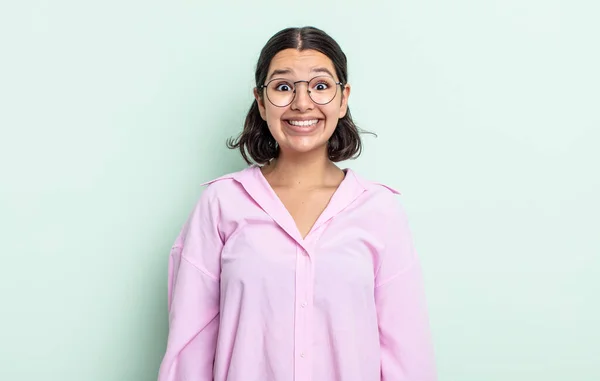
x: 258, y: 188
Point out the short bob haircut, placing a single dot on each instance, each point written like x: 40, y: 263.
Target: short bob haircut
x: 255, y: 142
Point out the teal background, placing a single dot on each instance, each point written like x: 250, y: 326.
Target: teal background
x: 112, y: 113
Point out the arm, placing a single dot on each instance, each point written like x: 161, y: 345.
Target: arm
x: 193, y: 297
x: 406, y: 345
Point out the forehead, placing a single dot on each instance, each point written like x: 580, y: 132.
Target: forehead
x: 300, y: 62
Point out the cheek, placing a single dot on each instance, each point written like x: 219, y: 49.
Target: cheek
x: 332, y: 114
x: 274, y: 115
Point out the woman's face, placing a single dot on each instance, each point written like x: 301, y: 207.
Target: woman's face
x: 302, y: 126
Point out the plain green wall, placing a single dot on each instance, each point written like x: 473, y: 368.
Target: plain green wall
x: 112, y: 113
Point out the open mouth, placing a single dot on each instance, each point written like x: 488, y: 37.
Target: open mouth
x: 303, y: 125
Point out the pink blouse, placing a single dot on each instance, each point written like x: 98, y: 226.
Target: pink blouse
x: 250, y: 300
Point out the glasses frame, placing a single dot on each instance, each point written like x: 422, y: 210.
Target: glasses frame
x: 261, y: 87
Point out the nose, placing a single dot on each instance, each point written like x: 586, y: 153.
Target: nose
x: 302, y: 101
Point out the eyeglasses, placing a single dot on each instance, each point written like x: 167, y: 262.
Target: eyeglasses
x: 281, y: 92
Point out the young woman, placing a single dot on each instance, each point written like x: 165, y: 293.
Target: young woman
x: 294, y: 269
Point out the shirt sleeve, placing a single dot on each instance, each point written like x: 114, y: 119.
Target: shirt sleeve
x: 193, y: 297
x: 407, y: 352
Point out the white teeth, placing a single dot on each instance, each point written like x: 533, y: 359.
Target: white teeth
x: 303, y: 123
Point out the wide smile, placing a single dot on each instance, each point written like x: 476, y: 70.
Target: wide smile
x: 303, y: 126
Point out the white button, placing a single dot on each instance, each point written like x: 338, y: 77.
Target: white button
x: 302, y: 355
x: 303, y: 304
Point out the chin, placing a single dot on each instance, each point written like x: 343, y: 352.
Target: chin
x: 305, y: 148
x: 296, y: 143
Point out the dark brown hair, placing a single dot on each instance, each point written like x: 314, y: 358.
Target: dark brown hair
x: 255, y: 141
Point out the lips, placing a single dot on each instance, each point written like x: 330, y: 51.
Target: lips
x: 303, y: 126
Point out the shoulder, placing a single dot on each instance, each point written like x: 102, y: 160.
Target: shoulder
x: 375, y: 188
x: 207, y: 208
x: 223, y: 186
x: 380, y: 196
x: 371, y: 185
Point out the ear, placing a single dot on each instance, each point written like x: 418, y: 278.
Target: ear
x: 344, y: 105
x: 261, y: 104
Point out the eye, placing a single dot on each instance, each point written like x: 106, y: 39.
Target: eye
x: 283, y: 86
x: 322, y: 84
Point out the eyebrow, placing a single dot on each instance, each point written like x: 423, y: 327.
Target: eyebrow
x: 286, y: 71
x: 279, y: 72
x: 322, y: 70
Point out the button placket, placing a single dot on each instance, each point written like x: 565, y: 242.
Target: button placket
x: 302, y: 335
x: 305, y: 277
x: 303, y: 311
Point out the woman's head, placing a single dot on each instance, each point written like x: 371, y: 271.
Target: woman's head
x: 301, y: 100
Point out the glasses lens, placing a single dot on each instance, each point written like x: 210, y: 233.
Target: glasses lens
x: 280, y: 92
x: 322, y: 89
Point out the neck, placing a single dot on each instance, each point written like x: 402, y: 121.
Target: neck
x: 307, y: 170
